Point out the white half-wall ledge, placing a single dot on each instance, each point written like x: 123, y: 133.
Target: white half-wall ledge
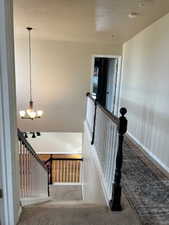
x: 34, y: 200
x: 60, y: 153
x: 57, y: 143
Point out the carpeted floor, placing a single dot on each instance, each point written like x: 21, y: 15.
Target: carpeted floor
x: 145, y: 186
x: 76, y: 213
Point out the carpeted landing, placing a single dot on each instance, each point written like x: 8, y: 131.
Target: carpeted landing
x: 76, y: 213
x: 145, y: 186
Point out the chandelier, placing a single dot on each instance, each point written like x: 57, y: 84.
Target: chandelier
x: 30, y: 113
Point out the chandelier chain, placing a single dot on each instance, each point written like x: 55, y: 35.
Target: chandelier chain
x: 30, y: 64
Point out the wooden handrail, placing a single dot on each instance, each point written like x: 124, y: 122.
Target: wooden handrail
x: 30, y: 149
x: 115, y: 119
x: 109, y: 114
x: 67, y: 159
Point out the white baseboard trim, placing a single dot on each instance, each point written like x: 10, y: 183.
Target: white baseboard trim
x: 34, y: 200
x: 149, y: 153
x: 98, y: 167
x: 19, y: 211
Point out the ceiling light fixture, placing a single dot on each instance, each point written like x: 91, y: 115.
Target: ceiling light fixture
x: 30, y: 113
x: 25, y: 135
x: 32, y: 133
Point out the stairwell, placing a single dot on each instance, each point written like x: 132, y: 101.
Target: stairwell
x: 84, y: 200
x: 76, y: 213
x: 65, y: 205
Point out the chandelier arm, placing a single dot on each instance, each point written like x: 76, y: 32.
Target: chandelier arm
x: 29, y: 118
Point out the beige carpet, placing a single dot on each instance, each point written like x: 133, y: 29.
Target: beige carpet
x: 69, y: 192
x: 76, y: 213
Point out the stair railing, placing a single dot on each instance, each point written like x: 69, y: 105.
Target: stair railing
x: 107, y: 137
x: 33, y: 172
x: 64, y: 170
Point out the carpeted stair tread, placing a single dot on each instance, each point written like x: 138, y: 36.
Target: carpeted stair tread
x: 75, y: 213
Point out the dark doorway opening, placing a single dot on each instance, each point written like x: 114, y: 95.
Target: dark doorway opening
x: 106, y: 82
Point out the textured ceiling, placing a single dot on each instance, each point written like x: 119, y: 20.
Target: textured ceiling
x: 86, y: 20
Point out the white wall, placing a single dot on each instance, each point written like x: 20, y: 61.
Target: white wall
x: 9, y: 158
x: 93, y: 190
x: 145, y: 90
x: 61, y: 77
x: 55, y: 142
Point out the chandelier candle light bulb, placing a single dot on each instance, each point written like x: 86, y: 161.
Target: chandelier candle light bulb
x: 39, y: 113
x: 30, y: 113
x: 22, y: 113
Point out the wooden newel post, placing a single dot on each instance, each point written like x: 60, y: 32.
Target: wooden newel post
x: 115, y: 203
x: 51, y: 180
